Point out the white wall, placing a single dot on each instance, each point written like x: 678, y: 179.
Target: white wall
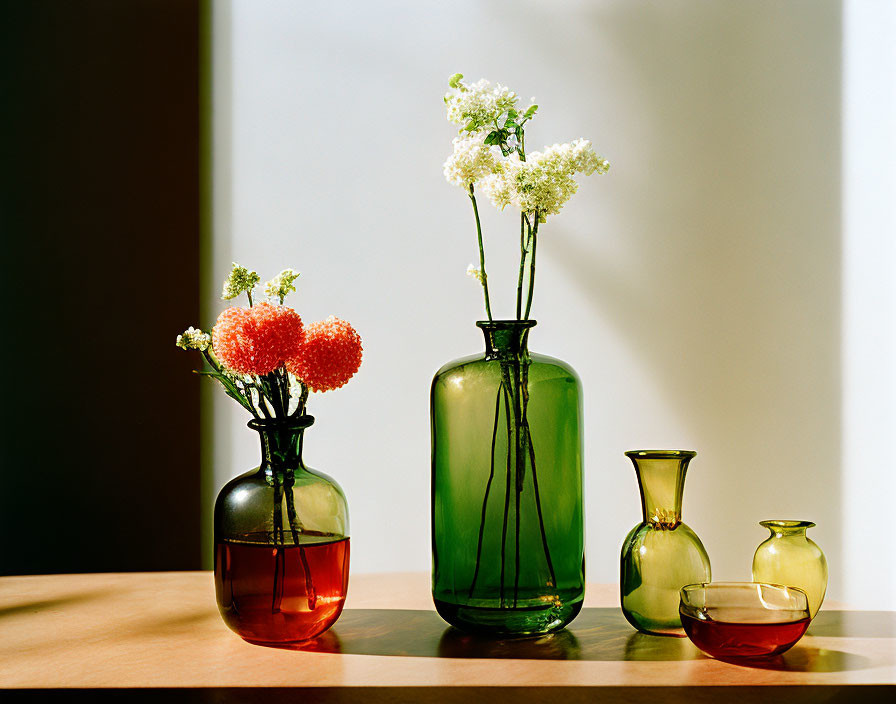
x: 696, y: 288
x: 869, y: 300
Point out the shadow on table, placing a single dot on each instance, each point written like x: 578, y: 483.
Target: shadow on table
x: 597, y: 634
x: 807, y: 659
x: 854, y: 624
x: 44, y: 604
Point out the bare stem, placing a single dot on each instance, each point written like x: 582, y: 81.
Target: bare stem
x: 544, y: 537
x: 488, y: 307
x: 524, y: 250
x: 488, y: 488
x: 534, y: 240
x: 296, y: 528
x: 506, y: 491
x: 280, y: 549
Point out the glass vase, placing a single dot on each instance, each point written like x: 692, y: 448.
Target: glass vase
x: 789, y: 557
x: 281, y: 543
x: 661, y: 554
x: 507, y: 513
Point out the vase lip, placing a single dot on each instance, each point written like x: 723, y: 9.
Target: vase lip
x: 290, y: 423
x: 661, y: 454
x: 789, y: 524
x: 505, y: 324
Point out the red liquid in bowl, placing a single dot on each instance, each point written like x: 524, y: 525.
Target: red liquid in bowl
x: 271, y: 594
x: 745, y: 633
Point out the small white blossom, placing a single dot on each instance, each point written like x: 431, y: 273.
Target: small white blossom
x: 477, y: 105
x: 470, y: 161
x: 476, y: 273
x: 281, y: 285
x: 239, y: 280
x: 576, y: 157
x: 193, y: 339
x: 545, y: 181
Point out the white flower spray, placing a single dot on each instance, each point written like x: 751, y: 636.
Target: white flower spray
x: 490, y: 152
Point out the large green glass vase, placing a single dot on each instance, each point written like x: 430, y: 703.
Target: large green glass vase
x: 661, y: 554
x: 507, y: 514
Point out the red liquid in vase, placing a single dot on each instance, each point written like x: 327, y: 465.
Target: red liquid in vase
x: 745, y: 633
x: 269, y: 594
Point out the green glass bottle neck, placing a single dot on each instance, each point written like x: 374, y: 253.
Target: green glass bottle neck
x: 661, y: 477
x: 506, y: 339
x: 281, y: 443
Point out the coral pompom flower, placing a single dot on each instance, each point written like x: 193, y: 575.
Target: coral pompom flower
x: 264, y: 357
x: 329, y: 357
x: 259, y: 339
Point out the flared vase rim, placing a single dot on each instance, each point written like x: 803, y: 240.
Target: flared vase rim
x: 291, y: 423
x: 786, y: 524
x: 505, y: 324
x: 661, y: 454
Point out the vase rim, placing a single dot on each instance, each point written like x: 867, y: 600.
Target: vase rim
x: 290, y: 423
x: 778, y: 523
x: 661, y: 454
x: 505, y: 324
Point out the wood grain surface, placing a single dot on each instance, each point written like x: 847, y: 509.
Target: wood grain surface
x: 161, y: 631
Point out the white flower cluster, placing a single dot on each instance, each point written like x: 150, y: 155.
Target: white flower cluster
x: 470, y: 161
x: 239, y: 280
x: 476, y: 273
x: 281, y: 285
x: 193, y: 339
x: 478, y: 104
x: 545, y: 181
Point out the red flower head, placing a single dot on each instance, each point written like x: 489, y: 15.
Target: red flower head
x: 329, y: 357
x: 259, y: 339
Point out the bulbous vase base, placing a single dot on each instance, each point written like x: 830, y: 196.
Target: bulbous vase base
x: 518, y: 621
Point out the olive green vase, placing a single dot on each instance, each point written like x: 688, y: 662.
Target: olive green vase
x: 661, y: 554
x: 789, y: 557
x: 507, y: 512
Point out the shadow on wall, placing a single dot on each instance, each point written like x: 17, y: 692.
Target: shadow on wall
x: 723, y: 276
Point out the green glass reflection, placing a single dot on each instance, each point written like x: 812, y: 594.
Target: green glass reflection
x: 661, y: 554
x: 507, y: 514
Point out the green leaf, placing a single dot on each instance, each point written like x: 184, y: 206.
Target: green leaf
x: 530, y: 111
x: 492, y: 138
x: 511, y: 113
x: 455, y: 80
x: 229, y: 388
x: 509, y: 124
x: 471, y: 126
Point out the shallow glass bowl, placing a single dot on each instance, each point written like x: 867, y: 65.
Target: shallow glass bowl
x: 733, y: 620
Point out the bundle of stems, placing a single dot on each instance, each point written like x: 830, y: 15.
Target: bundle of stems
x: 513, y: 393
x: 538, y: 184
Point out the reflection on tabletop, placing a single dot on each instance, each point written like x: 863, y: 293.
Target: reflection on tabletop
x: 598, y: 634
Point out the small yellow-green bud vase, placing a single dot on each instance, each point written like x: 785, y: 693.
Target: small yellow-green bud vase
x: 789, y: 557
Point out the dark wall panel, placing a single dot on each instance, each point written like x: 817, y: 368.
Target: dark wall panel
x: 99, y: 219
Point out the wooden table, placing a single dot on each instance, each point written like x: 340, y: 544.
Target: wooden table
x: 64, y: 635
